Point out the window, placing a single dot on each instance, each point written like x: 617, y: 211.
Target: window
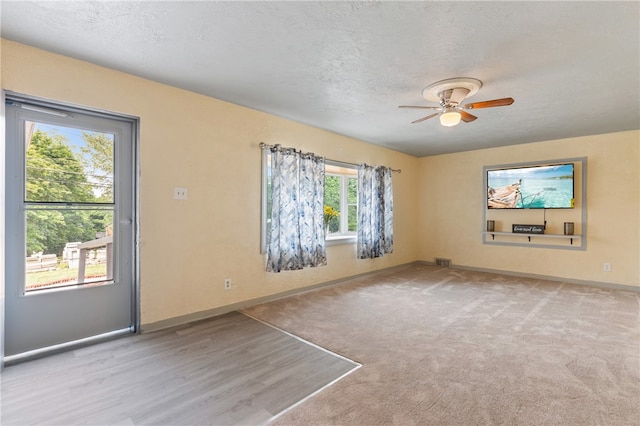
x: 68, y: 199
x: 340, y: 193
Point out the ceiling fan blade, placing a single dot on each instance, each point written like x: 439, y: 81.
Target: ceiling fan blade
x: 458, y: 94
x: 420, y: 107
x: 466, y: 117
x: 425, y: 118
x: 489, y: 104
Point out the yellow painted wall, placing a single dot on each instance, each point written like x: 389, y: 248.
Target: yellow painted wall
x: 211, y: 147
x: 188, y: 248
x: 452, y: 201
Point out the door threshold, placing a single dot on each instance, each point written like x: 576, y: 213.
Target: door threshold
x: 62, y: 347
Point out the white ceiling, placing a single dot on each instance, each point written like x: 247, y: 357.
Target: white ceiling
x: 573, y: 68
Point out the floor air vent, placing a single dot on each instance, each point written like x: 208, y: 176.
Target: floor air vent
x: 445, y: 263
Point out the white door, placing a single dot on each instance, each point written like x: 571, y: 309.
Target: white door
x: 70, y: 225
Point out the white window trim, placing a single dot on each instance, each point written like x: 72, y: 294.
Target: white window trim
x: 344, y: 209
x: 344, y: 237
x: 264, y: 223
x: 341, y: 240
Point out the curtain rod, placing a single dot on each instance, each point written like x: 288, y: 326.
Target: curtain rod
x: 266, y: 146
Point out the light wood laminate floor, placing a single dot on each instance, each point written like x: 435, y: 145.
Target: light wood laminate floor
x: 228, y: 370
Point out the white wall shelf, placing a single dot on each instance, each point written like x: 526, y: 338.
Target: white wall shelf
x: 504, y: 219
x: 529, y: 236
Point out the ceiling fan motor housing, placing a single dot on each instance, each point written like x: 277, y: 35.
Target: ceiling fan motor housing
x: 453, y: 97
x: 444, y: 89
x: 449, y: 94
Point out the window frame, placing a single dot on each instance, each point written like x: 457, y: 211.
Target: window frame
x: 264, y: 220
x: 334, y: 239
x: 344, y: 236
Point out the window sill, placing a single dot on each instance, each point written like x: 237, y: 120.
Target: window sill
x: 340, y: 239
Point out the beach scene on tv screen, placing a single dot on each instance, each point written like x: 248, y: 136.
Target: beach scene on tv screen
x: 540, y: 187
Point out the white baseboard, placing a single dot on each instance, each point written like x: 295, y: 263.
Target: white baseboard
x: 601, y: 284
x: 196, y: 316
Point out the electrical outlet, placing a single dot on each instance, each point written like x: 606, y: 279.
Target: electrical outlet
x: 227, y: 283
x: 180, y: 193
x: 606, y: 266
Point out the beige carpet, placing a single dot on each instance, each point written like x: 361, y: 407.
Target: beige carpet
x: 454, y: 347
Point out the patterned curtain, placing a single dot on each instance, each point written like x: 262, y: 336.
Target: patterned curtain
x: 375, y: 212
x: 297, y: 237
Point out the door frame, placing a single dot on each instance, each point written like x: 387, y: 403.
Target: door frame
x: 7, y: 95
x: 2, y: 230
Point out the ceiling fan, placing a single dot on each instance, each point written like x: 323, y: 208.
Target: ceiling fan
x: 449, y: 94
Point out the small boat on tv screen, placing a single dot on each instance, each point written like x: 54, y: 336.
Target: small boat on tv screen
x: 534, y: 187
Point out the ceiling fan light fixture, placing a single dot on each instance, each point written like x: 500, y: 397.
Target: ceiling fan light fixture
x: 450, y: 118
x: 449, y: 95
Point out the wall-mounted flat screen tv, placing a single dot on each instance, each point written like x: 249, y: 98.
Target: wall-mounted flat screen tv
x: 531, y: 187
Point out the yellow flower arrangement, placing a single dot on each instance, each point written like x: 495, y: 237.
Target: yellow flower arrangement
x: 329, y: 214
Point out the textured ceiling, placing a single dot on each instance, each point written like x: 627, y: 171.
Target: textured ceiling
x: 573, y: 68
